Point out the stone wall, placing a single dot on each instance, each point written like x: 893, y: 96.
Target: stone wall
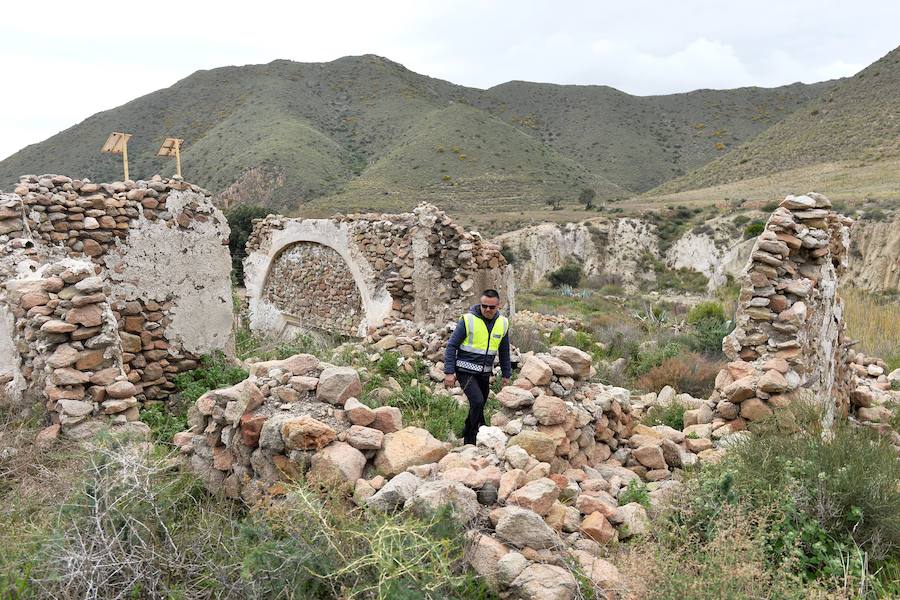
x: 155, y: 259
x: 789, y: 341
x: 310, y: 284
x: 417, y: 266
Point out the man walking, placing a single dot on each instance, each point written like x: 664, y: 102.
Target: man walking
x: 481, y: 334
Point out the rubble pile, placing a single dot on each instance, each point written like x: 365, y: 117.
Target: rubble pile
x: 542, y: 484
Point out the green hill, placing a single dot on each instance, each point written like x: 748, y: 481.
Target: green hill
x: 640, y: 142
x: 856, y: 120
x: 366, y: 132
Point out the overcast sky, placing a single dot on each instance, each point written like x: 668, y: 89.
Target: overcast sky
x: 61, y: 62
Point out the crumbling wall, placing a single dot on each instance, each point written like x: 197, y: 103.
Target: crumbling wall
x: 417, y: 266
x: 789, y: 340
x: 155, y: 256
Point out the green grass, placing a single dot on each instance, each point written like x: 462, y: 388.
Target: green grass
x: 670, y: 414
x: 214, y: 372
x: 787, y: 513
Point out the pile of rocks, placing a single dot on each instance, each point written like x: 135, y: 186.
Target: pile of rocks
x: 547, y: 323
x: 417, y: 266
x: 874, y: 399
x: 542, y: 485
x: 292, y: 417
x: 155, y: 255
x: 71, y: 358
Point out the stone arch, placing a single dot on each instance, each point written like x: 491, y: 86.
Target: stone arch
x: 271, y: 314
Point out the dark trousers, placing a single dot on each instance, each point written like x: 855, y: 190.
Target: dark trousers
x: 476, y: 388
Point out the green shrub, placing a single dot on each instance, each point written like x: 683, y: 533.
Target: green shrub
x: 740, y: 220
x: 139, y: 529
x: 163, y: 424
x: 214, y: 373
x: 754, y: 229
x: 704, y: 311
x: 643, y: 361
x: 568, y: 274
x: 508, y: 254
x: 689, y: 373
x: 831, y: 501
x: 635, y: 492
x: 671, y: 414
x: 240, y: 220
x: 389, y: 364
x: 708, y: 327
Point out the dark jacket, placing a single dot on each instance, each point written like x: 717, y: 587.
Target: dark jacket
x: 459, y: 334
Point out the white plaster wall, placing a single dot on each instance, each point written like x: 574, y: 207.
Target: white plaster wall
x: 10, y: 363
x: 191, y: 267
x: 264, y: 316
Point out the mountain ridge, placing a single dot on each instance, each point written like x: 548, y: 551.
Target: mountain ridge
x: 357, y: 129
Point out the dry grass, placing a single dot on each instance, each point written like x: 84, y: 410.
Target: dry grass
x: 690, y: 373
x: 849, y: 181
x: 733, y: 564
x: 875, y: 322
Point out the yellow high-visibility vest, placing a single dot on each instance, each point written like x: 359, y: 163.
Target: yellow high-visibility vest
x: 477, y: 338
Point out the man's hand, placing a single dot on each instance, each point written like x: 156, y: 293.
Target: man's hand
x: 505, y: 381
x: 449, y: 380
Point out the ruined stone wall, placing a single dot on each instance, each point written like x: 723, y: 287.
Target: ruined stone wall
x: 417, y: 266
x: 156, y: 254
x: 789, y: 340
x: 308, y: 282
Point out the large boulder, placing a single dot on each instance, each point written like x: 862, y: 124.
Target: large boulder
x: 549, y: 410
x: 578, y: 359
x: 364, y: 438
x: 539, y: 495
x: 536, y: 443
x: 544, y: 582
x: 483, y: 554
x: 358, y: 413
x: 299, y: 364
x: 395, y: 492
x: 522, y: 527
x: 514, y: 397
x: 536, y: 371
x: 434, y: 495
x: 336, y: 384
x: 306, y: 433
x: 338, y: 464
x: 406, y: 448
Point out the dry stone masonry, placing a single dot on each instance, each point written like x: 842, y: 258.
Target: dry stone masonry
x: 353, y: 272
x: 542, y: 485
x: 110, y: 290
x: 789, y: 342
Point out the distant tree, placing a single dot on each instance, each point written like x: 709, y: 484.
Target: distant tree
x: 568, y: 274
x: 240, y: 220
x: 554, y: 203
x: 586, y: 197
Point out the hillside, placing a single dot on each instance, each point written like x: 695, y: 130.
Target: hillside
x: 364, y: 131
x: 640, y: 142
x: 856, y: 121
